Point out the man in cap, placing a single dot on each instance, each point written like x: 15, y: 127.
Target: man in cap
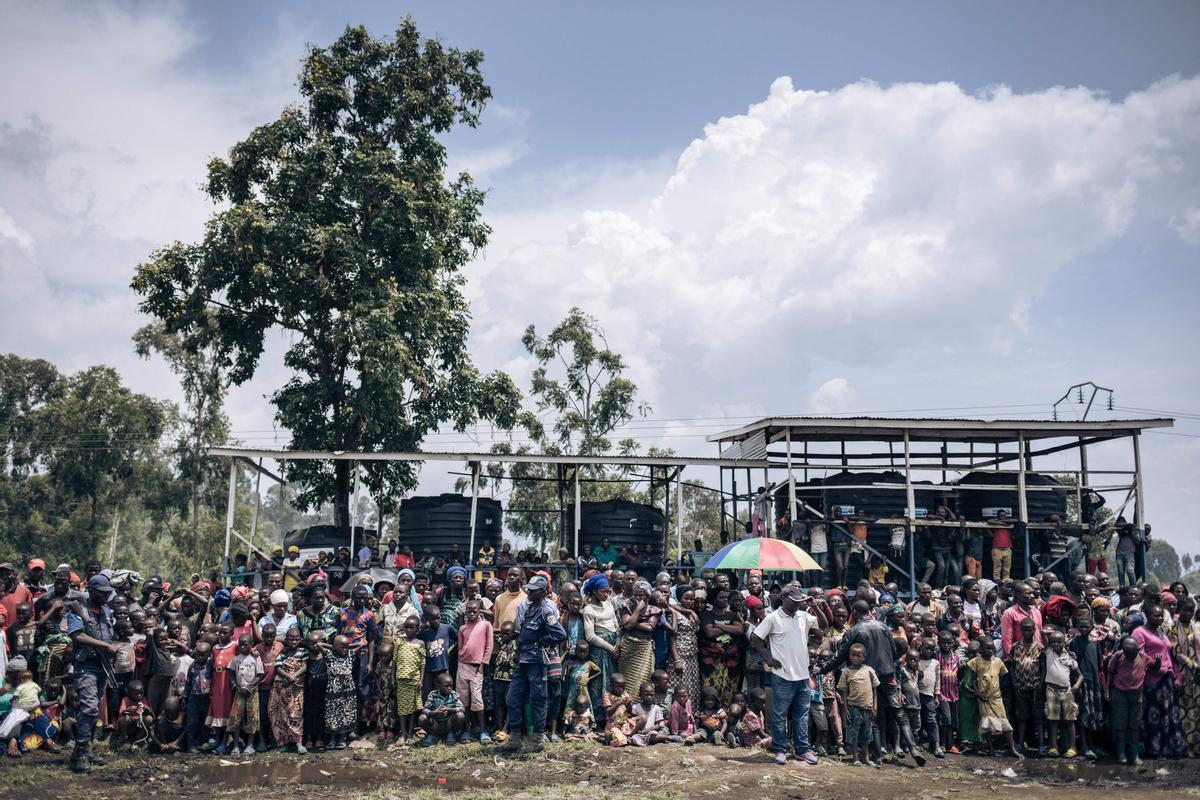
x: 538, y: 627
x: 785, y: 631
x: 90, y: 626
x: 35, y: 581
x: 12, y: 592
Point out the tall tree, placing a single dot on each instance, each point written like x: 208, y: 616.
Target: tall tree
x: 100, y: 443
x: 338, y: 227
x: 198, y: 363
x: 26, y: 385
x: 581, y: 398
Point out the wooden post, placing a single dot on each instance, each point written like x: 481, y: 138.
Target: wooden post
x: 474, y: 510
x: 229, y: 510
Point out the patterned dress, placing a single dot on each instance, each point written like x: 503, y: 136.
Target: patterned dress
x: 409, y: 658
x: 1185, y: 641
x: 341, y: 701
x: 383, y: 696
x: 687, y: 648
x: 1162, y: 717
x: 286, y: 706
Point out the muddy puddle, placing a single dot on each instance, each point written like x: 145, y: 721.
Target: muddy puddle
x: 292, y: 773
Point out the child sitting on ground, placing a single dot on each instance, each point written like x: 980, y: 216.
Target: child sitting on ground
x: 581, y: 719
x: 443, y: 716
x: 135, y: 720
x: 752, y: 728
x: 680, y: 720
x: 618, y: 707
x: 653, y: 722
x: 711, y: 719
x: 26, y: 701
x: 171, y: 735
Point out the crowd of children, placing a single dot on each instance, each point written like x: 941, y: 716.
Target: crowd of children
x: 1032, y: 666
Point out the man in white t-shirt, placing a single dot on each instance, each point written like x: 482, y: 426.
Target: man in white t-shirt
x: 785, y: 632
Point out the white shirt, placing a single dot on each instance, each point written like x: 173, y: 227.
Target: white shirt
x: 973, y: 611
x: 816, y: 539
x: 787, y: 636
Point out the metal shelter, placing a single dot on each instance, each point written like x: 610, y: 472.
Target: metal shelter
x: 664, y: 471
x: 853, y: 445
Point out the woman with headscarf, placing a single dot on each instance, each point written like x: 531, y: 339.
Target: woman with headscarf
x: 639, y: 618
x: 989, y: 605
x: 1162, y: 719
x: 452, y: 598
x: 1185, y: 650
x: 601, y: 629
x: 722, y: 638
x: 1106, y: 628
x: 404, y: 603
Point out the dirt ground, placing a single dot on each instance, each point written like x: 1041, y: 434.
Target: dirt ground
x: 583, y: 771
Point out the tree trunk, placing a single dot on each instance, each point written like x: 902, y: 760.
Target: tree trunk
x: 341, y: 489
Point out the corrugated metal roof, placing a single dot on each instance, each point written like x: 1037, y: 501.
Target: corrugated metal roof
x: 931, y: 429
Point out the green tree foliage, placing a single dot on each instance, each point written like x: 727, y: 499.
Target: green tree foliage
x: 337, y: 226
x: 79, y: 449
x: 197, y: 362
x: 580, y: 398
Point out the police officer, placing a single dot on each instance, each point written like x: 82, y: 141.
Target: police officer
x: 538, y: 627
x: 90, y: 626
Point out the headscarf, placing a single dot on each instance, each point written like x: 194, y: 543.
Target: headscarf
x: 496, y: 582
x: 242, y: 592
x: 222, y: 598
x: 1101, y: 602
x: 456, y: 570
x: 280, y: 596
x: 1167, y: 597
x: 662, y: 576
x: 595, y: 583
x: 413, y: 597
x: 643, y: 585
x: 985, y: 588
x: 892, y: 609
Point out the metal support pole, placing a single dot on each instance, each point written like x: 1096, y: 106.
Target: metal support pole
x: 1022, y: 500
x: 791, y: 480
x: 909, y: 495
x: 735, y: 534
x: 679, y: 517
x: 229, y: 511
x: 257, y: 505
x: 354, y: 518
x: 911, y: 514
x: 474, y: 510
x: 578, y: 515
x: 1139, y: 508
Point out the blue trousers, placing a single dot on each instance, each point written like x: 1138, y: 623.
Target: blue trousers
x: 194, y: 714
x: 929, y: 721
x: 789, y: 705
x: 528, y: 686
x: 89, y: 687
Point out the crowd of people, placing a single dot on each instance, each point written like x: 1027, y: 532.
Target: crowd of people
x: 518, y: 655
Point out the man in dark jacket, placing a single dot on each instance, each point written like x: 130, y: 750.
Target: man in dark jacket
x: 538, y: 627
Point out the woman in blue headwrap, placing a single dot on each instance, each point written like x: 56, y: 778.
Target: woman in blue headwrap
x: 453, y: 596
x: 600, y: 628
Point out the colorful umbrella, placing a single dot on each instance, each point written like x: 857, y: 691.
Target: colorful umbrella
x: 773, y: 555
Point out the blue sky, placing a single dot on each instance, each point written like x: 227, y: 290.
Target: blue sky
x: 942, y: 205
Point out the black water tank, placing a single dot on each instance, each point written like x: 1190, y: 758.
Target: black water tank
x: 621, y: 522
x: 444, y: 520
x: 971, y: 502
x: 879, y: 503
x: 806, y: 492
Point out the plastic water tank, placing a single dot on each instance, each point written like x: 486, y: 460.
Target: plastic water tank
x: 622, y: 522
x: 441, y: 521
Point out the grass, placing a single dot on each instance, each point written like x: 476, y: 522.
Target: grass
x: 16, y: 775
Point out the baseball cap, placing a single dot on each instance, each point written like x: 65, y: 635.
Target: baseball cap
x: 37, y: 563
x: 794, y: 591
x: 7, y: 565
x: 537, y: 582
x: 101, y: 584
